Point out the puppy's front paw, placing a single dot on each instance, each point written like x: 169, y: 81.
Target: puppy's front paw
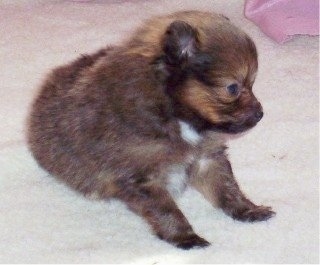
x: 191, y: 241
x: 254, y: 214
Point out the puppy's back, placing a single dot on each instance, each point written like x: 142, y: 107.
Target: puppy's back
x: 98, y: 118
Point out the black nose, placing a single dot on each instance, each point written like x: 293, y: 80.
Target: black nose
x: 258, y: 115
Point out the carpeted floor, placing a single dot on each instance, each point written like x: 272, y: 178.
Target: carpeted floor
x: 42, y: 221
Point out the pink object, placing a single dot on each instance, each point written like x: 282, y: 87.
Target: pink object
x: 281, y: 19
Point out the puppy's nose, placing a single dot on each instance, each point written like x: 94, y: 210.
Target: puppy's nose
x: 258, y: 115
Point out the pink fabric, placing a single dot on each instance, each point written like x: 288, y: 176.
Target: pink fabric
x: 281, y: 19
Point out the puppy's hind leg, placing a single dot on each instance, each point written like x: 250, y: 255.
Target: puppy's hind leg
x: 212, y: 176
x: 154, y: 203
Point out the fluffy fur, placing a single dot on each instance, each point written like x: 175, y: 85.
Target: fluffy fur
x: 110, y: 124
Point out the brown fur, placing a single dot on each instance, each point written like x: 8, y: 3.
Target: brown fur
x: 109, y: 124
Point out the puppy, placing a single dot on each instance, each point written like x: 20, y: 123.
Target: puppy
x: 139, y: 122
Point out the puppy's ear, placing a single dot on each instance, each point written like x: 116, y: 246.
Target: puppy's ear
x: 181, y: 54
x: 180, y: 43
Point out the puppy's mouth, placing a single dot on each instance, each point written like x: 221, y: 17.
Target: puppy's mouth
x: 232, y: 128
x: 238, y: 126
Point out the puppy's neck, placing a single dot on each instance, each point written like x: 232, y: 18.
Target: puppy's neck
x: 195, y: 121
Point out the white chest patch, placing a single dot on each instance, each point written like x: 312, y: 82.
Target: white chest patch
x: 176, y: 180
x: 189, y: 134
x: 204, y: 164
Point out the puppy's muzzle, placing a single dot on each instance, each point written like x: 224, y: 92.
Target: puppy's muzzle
x: 249, y: 119
x: 257, y: 112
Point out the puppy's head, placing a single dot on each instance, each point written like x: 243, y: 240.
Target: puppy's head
x: 209, y: 66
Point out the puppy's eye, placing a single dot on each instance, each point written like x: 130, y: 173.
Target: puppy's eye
x: 233, y: 89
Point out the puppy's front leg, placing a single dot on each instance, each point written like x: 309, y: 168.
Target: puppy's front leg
x: 212, y: 176
x: 154, y: 203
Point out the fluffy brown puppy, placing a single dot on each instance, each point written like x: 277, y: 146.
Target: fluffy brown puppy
x: 139, y: 122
